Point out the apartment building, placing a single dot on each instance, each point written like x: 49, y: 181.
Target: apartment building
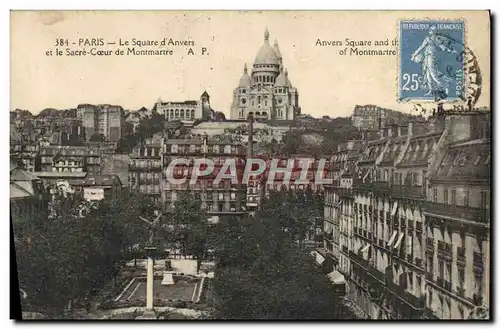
x: 26, y: 156
x: 149, y: 171
x: 368, y: 117
x: 411, y: 234
x: 219, y: 198
x: 56, y: 158
x: 145, y: 169
x: 108, y: 120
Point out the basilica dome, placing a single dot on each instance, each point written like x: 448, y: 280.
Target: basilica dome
x: 245, y: 80
x: 266, y: 54
x: 282, y: 79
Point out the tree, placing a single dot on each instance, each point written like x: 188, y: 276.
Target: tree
x: 62, y: 258
x: 49, y: 112
x: 97, y: 138
x: 149, y: 126
x: 127, y: 143
x: 263, y: 274
x: 219, y: 116
x: 294, y: 211
x: 195, y: 234
x: 292, y: 141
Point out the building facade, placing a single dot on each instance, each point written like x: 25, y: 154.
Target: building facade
x: 108, y: 120
x: 266, y: 93
x: 145, y: 169
x: 149, y: 171
x: 186, y: 111
x: 369, y: 117
x: 411, y: 233
x: 72, y: 158
x: 27, y: 195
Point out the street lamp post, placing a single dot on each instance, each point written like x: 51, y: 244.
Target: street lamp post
x: 151, y: 250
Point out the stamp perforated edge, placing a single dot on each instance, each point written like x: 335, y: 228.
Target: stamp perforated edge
x: 398, y: 71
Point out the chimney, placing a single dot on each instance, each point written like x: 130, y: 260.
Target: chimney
x: 250, y: 136
x: 459, y: 127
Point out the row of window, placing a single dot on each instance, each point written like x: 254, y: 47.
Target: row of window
x: 147, y: 151
x: 146, y: 163
x: 179, y: 114
x: 205, y: 196
x: 450, y: 197
x: 264, y: 78
x: 182, y: 149
x: 200, y: 184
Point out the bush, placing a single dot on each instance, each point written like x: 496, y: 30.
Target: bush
x: 106, y: 305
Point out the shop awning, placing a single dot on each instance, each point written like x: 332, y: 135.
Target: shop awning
x: 317, y: 256
x: 366, y: 248
x: 393, y: 237
x: 398, y: 243
x: 336, y: 277
x: 394, y: 209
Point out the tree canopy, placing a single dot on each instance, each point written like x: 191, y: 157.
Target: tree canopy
x: 63, y: 258
x: 263, y: 273
x: 97, y: 138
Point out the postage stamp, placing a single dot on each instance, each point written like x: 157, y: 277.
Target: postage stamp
x: 431, y: 63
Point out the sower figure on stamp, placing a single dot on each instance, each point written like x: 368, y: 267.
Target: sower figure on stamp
x: 427, y: 54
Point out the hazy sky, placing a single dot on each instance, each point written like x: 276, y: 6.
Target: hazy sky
x: 328, y: 83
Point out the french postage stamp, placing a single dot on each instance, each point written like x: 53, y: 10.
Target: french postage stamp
x: 431, y: 63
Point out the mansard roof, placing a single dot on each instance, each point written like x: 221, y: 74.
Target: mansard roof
x: 469, y: 160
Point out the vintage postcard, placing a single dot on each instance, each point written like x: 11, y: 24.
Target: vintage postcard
x: 250, y: 165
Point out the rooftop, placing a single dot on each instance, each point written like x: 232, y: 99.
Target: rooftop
x: 17, y: 192
x: 102, y: 180
x: 466, y: 160
x: 18, y: 174
x: 49, y: 174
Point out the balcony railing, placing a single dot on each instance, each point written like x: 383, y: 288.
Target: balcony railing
x: 478, y: 260
x: 477, y: 215
x: 444, y: 249
x: 460, y: 291
x: 418, y: 226
x: 380, y: 276
x: 430, y: 243
x: 414, y: 192
x: 133, y: 166
x: 415, y: 302
x: 358, y: 259
x: 461, y: 256
x: 345, y: 250
x: 440, y: 282
x: 345, y: 193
